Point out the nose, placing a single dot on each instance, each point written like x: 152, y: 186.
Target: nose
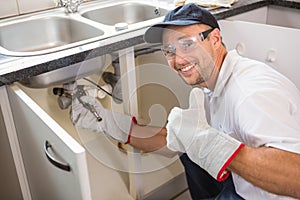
x: 179, y: 59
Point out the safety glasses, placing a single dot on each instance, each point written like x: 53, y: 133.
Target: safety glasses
x: 185, y: 45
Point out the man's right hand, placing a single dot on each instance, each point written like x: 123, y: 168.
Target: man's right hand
x: 113, y: 124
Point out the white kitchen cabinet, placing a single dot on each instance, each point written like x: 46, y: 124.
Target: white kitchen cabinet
x: 272, y: 15
x: 98, y: 168
x: 269, y: 34
x: 274, y: 45
x: 258, y: 15
x: 283, y: 16
x: 38, y: 119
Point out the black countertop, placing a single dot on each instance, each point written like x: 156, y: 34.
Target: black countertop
x: 239, y: 7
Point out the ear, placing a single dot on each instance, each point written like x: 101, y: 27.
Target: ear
x: 215, y: 36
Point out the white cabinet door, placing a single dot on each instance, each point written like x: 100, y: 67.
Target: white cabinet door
x: 9, y: 185
x: 55, y: 163
x: 274, y: 45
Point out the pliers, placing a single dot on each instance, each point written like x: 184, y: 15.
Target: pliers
x: 79, y: 93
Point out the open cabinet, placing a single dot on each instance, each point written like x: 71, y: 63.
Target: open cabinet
x: 62, y: 162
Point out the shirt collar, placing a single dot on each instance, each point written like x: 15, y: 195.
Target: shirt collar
x: 225, y: 72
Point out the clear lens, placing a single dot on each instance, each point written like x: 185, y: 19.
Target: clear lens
x: 185, y: 45
x: 169, y: 51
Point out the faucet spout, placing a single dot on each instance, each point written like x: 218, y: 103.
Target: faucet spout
x: 71, y: 6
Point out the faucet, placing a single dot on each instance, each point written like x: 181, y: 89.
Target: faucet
x: 71, y: 6
x: 157, y: 9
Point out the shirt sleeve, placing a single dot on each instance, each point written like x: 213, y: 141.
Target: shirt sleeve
x: 271, y: 118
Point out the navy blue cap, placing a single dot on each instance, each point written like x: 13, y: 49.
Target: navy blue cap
x: 181, y: 16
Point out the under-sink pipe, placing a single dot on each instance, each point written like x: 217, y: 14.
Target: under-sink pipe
x: 113, y: 78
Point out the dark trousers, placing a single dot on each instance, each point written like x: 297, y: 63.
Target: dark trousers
x: 203, y: 186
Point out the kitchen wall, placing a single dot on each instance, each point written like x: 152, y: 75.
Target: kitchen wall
x: 16, y: 7
x: 10, y: 8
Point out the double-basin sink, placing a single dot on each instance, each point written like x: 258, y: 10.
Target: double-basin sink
x: 54, y: 30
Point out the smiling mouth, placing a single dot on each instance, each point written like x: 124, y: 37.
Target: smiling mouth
x: 187, y: 68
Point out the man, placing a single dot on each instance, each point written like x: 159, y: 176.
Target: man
x: 246, y: 143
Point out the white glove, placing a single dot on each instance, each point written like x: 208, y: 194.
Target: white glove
x: 188, y: 131
x: 113, y: 124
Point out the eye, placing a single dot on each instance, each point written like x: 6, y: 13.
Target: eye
x: 168, y: 50
x: 186, y: 43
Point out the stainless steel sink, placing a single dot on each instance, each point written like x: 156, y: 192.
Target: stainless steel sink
x: 66, y: 74
x: 59, y: 34
x: 128, y: 12
x: 44, y: 35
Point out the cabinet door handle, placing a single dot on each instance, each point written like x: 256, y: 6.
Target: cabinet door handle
x: 63, y: 166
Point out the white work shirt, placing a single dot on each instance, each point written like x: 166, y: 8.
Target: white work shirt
x: 257, y: 106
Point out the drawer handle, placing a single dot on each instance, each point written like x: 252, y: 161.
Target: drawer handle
x: 55, y: 162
